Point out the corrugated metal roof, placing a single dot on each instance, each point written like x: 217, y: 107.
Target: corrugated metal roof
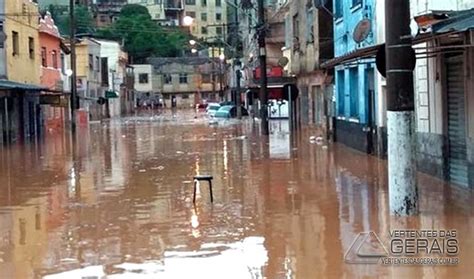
x: 12, y: 85
x: 460, y: 21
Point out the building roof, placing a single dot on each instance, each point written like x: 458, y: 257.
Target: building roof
x: 193, y: 61
x: 459, y: 21
x: 48, y: 26
x: 12, y: 85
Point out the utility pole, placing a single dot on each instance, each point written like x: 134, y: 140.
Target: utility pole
x: 263, y: 68
x: 72, y: 37
x: 238, y: 64
x: 238, y: 76
x: 403, y: 189
x: 213, y: 72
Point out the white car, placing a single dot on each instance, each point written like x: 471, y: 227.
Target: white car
x: 212, y: 108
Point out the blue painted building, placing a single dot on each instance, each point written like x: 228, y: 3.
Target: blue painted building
x: 354, y: 90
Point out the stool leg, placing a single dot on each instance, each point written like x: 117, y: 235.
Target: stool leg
x: 194, y: 194
x: 210, y: 189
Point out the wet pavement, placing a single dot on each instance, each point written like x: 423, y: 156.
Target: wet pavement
x: 119, y: 205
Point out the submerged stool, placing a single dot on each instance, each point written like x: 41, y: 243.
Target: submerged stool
x: 207, y: 178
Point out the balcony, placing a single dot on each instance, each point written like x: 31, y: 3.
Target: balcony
x: 174, y: 5
x: 110, y: 6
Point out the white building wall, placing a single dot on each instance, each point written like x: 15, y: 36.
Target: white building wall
x: 143, y: 69
x: 428, y: 72
x: 112, y: 51
x: 428, y: 99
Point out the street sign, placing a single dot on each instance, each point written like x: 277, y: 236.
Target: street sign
x: 290, y: 88
x: 110, y: 94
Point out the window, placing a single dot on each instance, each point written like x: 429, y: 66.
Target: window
x: 288, y: 38
x: 206, y: 78
x: 339, y: 8
x: 183, y: 78
x: 97, y: 63
x: 190, y: 2
x: 54, y: 58
x: 218, y: 3
x: 219, y: 30
x: 354, y: 91
x: 203, y: 16
x: 143, y: 78
x: 340, y: 92
x: 218, y: 16
x: 2, y: 44
x: 15, y: 43
x: 191, y: 14
x: 203, y: 30
x: 44, y: 61
x: 204, y: 3
x: 296, y: 26
x: 310, y: 26
x: 104, y: 63
x: 167, y: 78
x: 63, y: 66
x: 185, y: 96
x: 91, y: 62
x: 31, y: 47
x: 356, y: 2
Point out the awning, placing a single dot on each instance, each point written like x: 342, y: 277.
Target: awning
x: 455, y: 22
x: 12, y: 85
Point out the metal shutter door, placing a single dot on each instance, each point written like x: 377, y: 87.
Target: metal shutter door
x: 456, y: 122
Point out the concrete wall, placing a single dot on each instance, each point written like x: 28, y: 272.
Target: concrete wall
x: 21, y: 67
x: 210, y: 9
x: 156, y: 10
x: 143, y: 69
x: 89, y: 84
x: 431, y: 154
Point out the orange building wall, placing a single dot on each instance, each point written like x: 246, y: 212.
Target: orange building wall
x: 50, y: 39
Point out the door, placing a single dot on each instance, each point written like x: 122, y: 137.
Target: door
x: 371, y: 120
x: 457, y: 157
x: 173, y: 101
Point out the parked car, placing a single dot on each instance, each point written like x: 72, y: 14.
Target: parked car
x: 229, y: 112
x: 212, y: 108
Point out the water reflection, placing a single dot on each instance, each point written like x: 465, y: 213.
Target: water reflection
x: 123, y: 206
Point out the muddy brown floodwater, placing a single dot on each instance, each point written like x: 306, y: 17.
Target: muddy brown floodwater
x: 119, y: 205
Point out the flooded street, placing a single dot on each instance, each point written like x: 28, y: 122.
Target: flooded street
x: 119, y: 205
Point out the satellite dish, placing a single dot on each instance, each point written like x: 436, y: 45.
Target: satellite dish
x: 283, y: 61
x: 362, y: 30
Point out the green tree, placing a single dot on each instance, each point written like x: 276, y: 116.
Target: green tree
x: 83, y: 17
x: 142, y: 37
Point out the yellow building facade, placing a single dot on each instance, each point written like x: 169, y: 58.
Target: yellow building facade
x: 22, y: 41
